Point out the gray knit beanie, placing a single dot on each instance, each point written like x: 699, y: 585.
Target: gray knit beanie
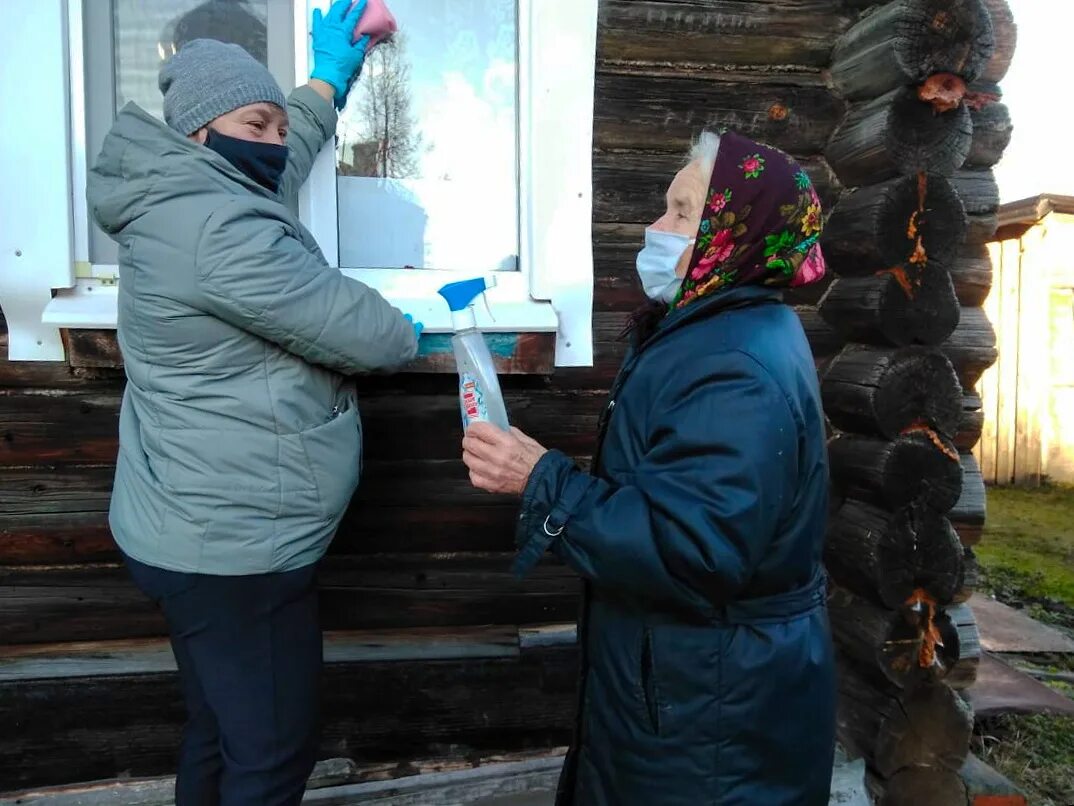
x: 207, y: 79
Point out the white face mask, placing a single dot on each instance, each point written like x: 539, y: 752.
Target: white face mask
x: 657, y: 262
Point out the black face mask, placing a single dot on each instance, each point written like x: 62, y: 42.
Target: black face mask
x: 262, y: 162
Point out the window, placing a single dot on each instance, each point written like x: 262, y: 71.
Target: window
x: 465, y: 148
x: 427, y: 147
x: 126, y: 41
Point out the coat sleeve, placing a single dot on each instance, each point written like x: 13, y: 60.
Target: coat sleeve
x: 312, y: 124
x: 253, y: 273
x: 693, y: 523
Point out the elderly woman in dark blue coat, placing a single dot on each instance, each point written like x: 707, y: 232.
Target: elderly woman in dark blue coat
x: 707, y: 670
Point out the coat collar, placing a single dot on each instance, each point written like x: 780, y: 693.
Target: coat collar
x: 705, y: 308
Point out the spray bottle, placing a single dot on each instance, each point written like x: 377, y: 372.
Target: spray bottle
x: 479, y: 389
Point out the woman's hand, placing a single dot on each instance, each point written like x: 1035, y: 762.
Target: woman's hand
x: 337, y: 60
x: 500, y: 461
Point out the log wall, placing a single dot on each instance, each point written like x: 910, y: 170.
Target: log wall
x: 421, y: 559
x: 924, y: 128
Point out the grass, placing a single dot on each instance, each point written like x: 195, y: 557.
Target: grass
x: 1027, y: 560
x: 1037, y: 752
x: 1027, y: 555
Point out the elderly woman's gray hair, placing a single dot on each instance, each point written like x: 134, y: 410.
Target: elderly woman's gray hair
x: 704, y: 150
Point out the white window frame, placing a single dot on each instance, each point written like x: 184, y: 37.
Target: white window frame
x: 552, y: 292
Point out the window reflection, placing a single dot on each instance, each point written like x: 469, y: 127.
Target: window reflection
x: 427, y: 153
x: 146, y: 32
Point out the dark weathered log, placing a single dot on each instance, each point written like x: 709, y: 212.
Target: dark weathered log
x: 719, y: 33
x: 1005, y: 34
x: 971, y: 273
x: 985, y: 785
x: 971, y: 576
x: 39, y: 429
x: 968, y: 516
x: 66, y: 537
x: 964, y: 673
x: 981, y: 228
x: 78, y: 603
x: 887, y: 557
x: 907, y: 41
x: 664, y: 113
x: 992, y: 132
x: 886, y: 392
x: 919, y: 467
x: 894, y: 730
x: 978, y: 190
x: 376, y: 711
x: 971, y: 348
x: 905, y: 221
x: 824, y: 341
x: 969, y: 430
x: 76, y: 427
x: 912, y: 646
x: 903, y: 306
x: 51, y: 374
x: 898, y: 134
x: 514, y: 353
x: 630, y: 187
x: 919, y: 786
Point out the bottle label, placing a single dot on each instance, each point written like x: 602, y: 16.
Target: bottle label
x: 472, y: 400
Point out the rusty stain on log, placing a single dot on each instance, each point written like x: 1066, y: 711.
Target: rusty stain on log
x: 944, y: 91
x: 934, y: 438
x: 921, y: 602
x: 902, y: 278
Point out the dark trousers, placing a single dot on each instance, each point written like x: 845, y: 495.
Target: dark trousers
x: 249, y: 656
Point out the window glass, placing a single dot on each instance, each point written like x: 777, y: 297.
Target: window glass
x: 146, y: 33
x: 427, y: 147
x: 126, y: 41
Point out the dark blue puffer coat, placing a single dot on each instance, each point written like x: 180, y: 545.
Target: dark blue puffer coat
x: 707, y: 668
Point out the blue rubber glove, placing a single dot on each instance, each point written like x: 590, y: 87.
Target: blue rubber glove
x: 418, y: 326
x: 336, y: 59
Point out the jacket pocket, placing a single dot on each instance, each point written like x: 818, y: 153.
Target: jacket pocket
x: 333, y: 450
x: 648, y: 681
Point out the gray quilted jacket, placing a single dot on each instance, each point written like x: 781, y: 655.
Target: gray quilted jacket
x: 240, y: 440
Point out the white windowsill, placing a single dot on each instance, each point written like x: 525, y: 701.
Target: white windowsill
x: 91, y: 305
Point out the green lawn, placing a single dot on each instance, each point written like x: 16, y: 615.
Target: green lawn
x: 1028, y: 548
x: 1027, y: 560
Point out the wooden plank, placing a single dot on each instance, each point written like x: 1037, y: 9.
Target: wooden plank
x: 154, y: 655
x: 512, y: 353
x: 48, y: 374
x: 717, y: 33
x: 67, y: 488
x: 157, y: 791
x: 664, y: 114
x: 630, y: 187
x: 62, y: 538
x: 72, y: 428
x: 1059, y: 456
x: 1033, y: 361
x: 97, y: 603
x: 53, y: 428
x: 1007, y: 389
x: 988, y: 386
x: 512, y: 783
x: 374, y: 712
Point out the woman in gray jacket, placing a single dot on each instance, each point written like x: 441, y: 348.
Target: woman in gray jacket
x: 240, y: 440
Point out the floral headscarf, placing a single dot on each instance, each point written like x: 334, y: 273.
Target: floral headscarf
x: 760, y: 226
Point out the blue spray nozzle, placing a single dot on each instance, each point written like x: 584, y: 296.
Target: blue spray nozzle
x: 462, y: 294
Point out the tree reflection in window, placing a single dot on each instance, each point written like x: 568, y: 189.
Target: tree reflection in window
x: 427, y: 147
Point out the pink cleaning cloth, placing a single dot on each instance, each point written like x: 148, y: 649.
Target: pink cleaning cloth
x: 376, y: 21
